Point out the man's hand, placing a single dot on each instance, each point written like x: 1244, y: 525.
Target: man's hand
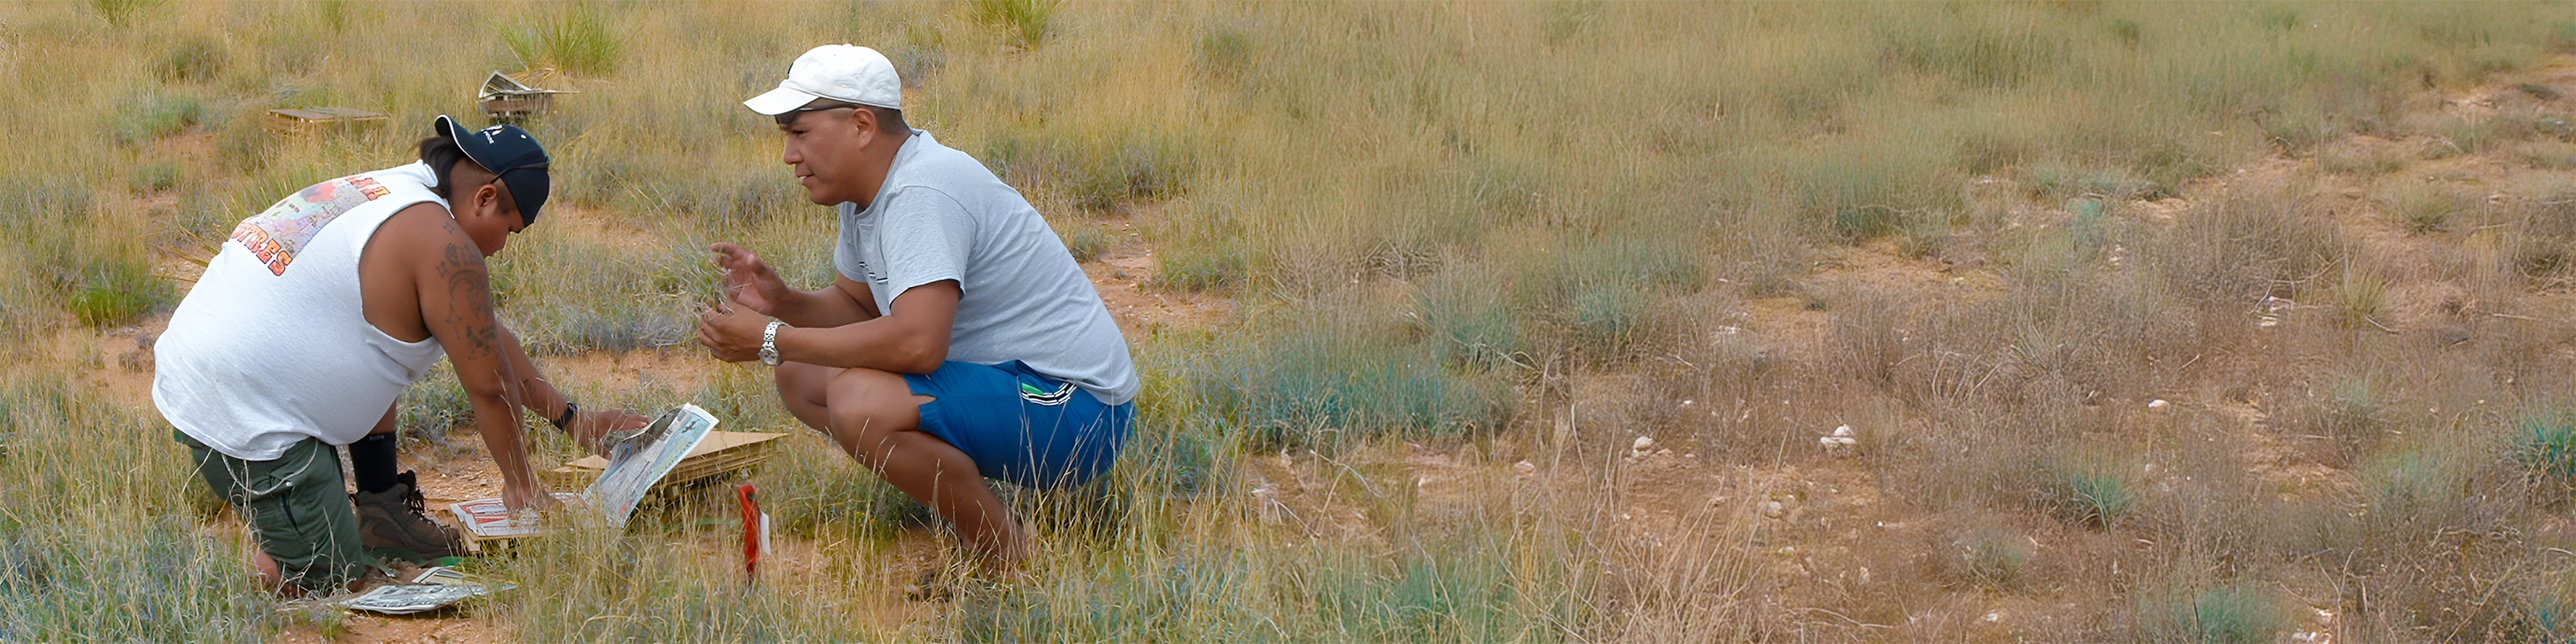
x: 589, y: 427
x: 526, y: 496
x: 749, y: 281
x: 731, y: 333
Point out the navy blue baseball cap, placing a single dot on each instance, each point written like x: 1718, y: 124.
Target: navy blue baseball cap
x: 509, y: 152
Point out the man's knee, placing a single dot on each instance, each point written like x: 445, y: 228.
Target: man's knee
x: 868, y: 406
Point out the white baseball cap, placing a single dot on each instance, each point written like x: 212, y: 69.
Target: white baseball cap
x: 845, y: 73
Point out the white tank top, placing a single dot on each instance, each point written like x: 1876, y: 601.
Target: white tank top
x: 272, y: 344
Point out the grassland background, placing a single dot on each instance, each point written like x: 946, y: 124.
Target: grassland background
x: 1490, y: 233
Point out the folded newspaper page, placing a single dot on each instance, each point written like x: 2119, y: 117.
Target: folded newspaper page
x: 435, y: 588
x: 491, y: 518
x: 635, y: 464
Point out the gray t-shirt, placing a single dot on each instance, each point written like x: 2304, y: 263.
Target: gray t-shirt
x: 943, y: 216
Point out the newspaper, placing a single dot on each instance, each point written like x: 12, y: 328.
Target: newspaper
x: 641, y: 460
x: 492, y: 518
x: 636, y: 460
x: 435, y: 588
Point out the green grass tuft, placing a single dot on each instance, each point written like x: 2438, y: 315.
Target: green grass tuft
x: 1098, y: 174
x: 2544, y: 444
x: 1993, y: 559
x: 1468, y: 322
x: 434, y: 407
x: 2093, y: 494
x: 1224, y: 52
x: 125, y: 13
x: 1330, y: 391
x: 153, y: 176
x: 1025, y: 23
x: 2407, y: 484
x: 149, y: 118
x: 580, y: 38
x: 116, y: 291
x: 193, y: 59
x: 2058, y: 182
x: 2235, y: 613
x: 1606, y: 298
x: 1085, y: 239
x: 2360, y: 301
x: 1201, y: 269
x: 2425, y: 208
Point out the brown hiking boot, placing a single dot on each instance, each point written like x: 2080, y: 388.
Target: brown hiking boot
x: 393, y: 519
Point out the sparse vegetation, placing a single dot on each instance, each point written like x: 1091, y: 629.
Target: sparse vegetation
x: 1085, y: 239
x: 2234, y: 613
x: 154, y: 176
x: 1466, y: 257
x: 2089, y: 493
x: 2361, y: 300
x: 1993, y: 559
x: 2544, y: 444
x: 1023, y: 22
x: 578, y: 37
x: 114, y: 291
x: 148, y: 118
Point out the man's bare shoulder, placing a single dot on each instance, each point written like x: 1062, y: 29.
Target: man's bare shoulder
x: 419, y: 232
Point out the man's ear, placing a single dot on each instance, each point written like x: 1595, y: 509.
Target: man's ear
x: 487, y: 194
x: 866, y: 121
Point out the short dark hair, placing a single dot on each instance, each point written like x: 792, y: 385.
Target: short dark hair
x: 442, y: 154
x: 889, y: 121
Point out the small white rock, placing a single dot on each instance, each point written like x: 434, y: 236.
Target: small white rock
x: 1772, y: 509
x: 2157, y: 404
x: 1839, y: 446
x: 1845, y: 430
x: 1525, y: 468
x: 1642, y: 443
x: 1663, y: 452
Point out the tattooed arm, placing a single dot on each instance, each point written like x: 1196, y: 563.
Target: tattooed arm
x: 455, y: 295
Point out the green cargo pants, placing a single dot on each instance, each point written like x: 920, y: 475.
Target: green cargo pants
x: 296, y: 506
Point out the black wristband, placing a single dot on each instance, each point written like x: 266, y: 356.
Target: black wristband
x: 570, y: 410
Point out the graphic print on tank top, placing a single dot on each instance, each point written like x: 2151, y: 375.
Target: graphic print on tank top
x: 276, y: 235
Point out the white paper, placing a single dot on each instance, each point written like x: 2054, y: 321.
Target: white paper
x: 633, y: 469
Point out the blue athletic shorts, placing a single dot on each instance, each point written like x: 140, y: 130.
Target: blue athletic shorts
x: 1022, y: 427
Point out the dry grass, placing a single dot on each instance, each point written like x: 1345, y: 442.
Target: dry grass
x: 1465, y: 237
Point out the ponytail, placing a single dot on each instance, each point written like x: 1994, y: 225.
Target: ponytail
x: 442, y: 154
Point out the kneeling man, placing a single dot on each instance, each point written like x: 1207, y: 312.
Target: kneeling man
x: 307, y: 325
x: 960, y: 342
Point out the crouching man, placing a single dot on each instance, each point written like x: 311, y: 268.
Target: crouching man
x: 960, y: 341
x: 306, y: 327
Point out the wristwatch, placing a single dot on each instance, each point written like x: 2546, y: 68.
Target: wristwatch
x: 570, y: 410
x: 769, y: 343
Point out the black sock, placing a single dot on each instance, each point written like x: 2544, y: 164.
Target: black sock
x: 372, y: 458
